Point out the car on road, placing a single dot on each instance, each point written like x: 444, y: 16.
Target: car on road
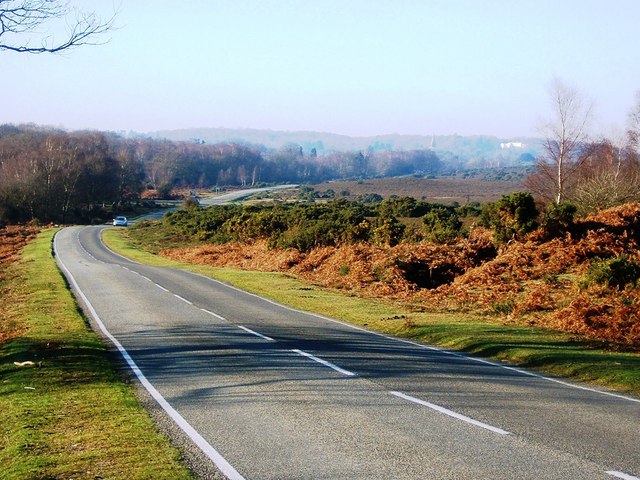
x: 120, y: 221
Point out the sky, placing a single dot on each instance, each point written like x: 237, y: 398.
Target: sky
x: 353, y: 67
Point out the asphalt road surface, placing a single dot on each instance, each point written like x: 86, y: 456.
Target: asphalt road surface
x: 267, y: 392
x: 220, y: 199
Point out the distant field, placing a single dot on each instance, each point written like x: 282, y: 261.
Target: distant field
x: 441, y: 190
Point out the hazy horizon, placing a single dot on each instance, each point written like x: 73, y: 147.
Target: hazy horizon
x: 359, y: 68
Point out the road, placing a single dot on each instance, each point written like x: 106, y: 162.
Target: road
x: 220, y: 199
x: 267, y: 392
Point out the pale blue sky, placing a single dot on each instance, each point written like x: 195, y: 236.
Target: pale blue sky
x: 354, y: 67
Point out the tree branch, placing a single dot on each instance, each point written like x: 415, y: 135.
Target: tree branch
x: 21, y: 19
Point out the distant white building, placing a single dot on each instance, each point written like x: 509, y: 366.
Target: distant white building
x: 512, y: 145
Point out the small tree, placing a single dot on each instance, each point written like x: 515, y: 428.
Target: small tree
x: 609, y: 176
x: 566, y: 135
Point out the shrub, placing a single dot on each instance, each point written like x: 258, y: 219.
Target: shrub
x: 164, y: 191
x: 473, y: 209
x: 504, y: 308
x: 388, y: 231
x: 397, y: 207
x: 558, y: 218
x: 189, y: 203
x: 617, y: 272
x: 442, y: 225
x: 344, y: 270
x: 511, y: 217
x: 369, y: 198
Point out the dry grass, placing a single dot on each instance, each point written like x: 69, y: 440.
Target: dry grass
x: 12, y: 239
x: 438, y: 190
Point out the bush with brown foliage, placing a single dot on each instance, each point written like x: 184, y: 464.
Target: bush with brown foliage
x: 12, y: 239
x: 543, y: 280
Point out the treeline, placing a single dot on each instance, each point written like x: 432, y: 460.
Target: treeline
x: 51, y: 175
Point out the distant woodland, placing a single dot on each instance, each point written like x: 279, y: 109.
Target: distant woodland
x: 55, y: 176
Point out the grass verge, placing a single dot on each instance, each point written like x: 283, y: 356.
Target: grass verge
x: 66, y: 412
x: 529, y: 347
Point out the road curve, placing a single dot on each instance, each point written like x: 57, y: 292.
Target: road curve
x: 267, y: 392
x: 228, y: 197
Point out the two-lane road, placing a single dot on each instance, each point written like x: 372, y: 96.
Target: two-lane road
x: 268, y: 392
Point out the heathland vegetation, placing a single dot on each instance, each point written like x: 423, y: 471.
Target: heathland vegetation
x: 504, y: 259
x: 538, y: 266
x: 562, y: 254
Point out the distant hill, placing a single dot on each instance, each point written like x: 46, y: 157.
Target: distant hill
x: 466, y: 148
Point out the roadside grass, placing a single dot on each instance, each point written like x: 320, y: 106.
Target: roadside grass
x: 534, y: 348
x: 157, y: 239
x: 70, y: 413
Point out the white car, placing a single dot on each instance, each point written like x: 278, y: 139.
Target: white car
x: 120, y: 221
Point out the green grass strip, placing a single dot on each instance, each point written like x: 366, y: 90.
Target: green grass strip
x: 70, y: 414
x: 535, y: 348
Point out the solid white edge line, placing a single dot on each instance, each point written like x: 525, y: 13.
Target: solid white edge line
x: 450, y: 413
x: 161, y: 287
x: 325, y: 363
x: 105, y: 227
x: 224, y: 466
x: 264, y: 337
x: 622, y: 475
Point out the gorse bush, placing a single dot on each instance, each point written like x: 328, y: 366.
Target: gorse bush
x: 511, y: 217
x: 558, y: 218
x: 301, y: 226
x: 307, y: 225
x: 617, y: 272
x: 203, y: 224
x: 388, y: 231
x: 407, y: 207
x: 442, y: 225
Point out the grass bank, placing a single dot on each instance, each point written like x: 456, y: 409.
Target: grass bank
x: 529, y: 347
x: 65, y: 410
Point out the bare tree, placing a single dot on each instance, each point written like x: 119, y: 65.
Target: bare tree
x: 609, y: 176
x: 565, y: 135
x: 23, y: 22
x: 633, y: 133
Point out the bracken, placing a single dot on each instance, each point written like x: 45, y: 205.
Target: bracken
x: 539, y: 279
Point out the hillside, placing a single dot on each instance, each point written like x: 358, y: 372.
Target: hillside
x: 584, y: 281
x: 464, y: 147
